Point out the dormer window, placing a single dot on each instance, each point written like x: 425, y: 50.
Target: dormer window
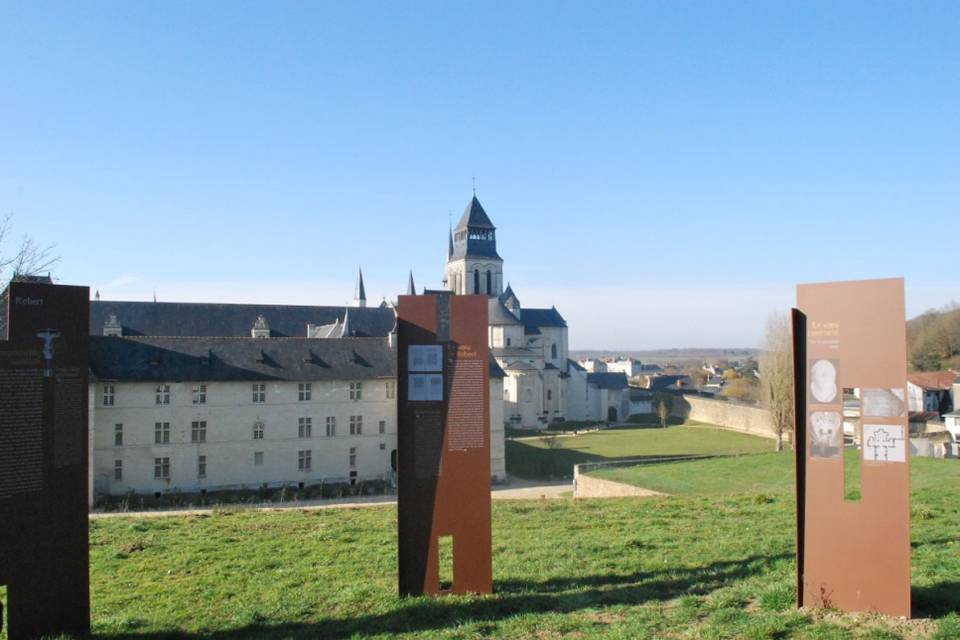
x: 260, y: 328
x: 112, y: 327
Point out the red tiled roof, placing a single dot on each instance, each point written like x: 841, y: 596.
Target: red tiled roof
x: 932, y: 380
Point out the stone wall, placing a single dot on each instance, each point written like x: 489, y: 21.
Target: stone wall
x: 729, y: 415
x: 585, y: 486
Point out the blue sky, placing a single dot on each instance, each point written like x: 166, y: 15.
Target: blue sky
x: 664, y: 173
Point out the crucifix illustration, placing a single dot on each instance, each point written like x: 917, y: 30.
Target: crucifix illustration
x: 48, y: 336
x: 882, y: 439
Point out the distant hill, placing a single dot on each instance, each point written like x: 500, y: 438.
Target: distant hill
x: 933, y: 339
x: 664, y: 356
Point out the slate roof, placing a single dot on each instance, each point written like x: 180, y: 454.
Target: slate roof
x: 497, y: 314
x: 542, y: 318
x: 495, y: 370
x: 573, y: 364
x: 206, y: 319
x: 606, y: 380
x: 165, y: 359
x: 474, y: 217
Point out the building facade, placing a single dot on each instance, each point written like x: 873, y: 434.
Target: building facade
x: 188, y: 397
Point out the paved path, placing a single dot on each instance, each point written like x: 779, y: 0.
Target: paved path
x: 514, y: 490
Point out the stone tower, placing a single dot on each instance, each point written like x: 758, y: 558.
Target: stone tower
x: 473, y: 265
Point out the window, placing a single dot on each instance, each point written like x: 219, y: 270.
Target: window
x: 201, y: 466
x: 353, y: 456
x: 489, y: 283
x: 198, y: 431
x: 258, y: 431
x: 108, y: 395
x: 331, y: 426
x: 305, y: 427
x: 199, y: 394
x: 118, y: 469
x: 304, y: 460
x: 118, y: 435
x: 163, y: 394
x: 508, y: 342
x: 476, y: 280
x: 383, y: 426
x: 549, y: 394
x: 259, y: 392
x: 304, y: 391
x: 258, y: 458
x: 356, y: 425
x: 383, y: 446
x: 161, y: 468
x: 356, y: 390
x: 161, y: 433
x: 391, y: 389
x: 553, y: 351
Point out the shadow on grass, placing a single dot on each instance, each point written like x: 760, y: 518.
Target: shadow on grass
x: 512, y: 598
x: 936, y: 600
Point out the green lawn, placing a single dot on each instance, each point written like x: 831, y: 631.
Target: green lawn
x: 684, y: 566
x: 767, y: 473
x: 533, y: 458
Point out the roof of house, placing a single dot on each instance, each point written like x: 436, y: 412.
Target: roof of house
x: 542, y: 318
x: 924, y: 416
x: 175, y: 359
x: 640, y: 394
x: 573, y: 364
x: 932, y: 380
x: 520, y: 365
x: 204, y: 319
x: 607, y: 380
x: 659, y: 383
x: 495, y: 370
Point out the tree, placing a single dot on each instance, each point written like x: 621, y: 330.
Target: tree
x: 663, y: 403
x: 28, y: 259
x: 742, y: 389
x: 776, y: 375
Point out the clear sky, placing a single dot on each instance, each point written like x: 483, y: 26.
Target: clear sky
x: 664, y: 173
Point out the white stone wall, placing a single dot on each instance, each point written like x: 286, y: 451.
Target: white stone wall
x: 230, y: 414
x: 576, y: 395
x: 498, y: 462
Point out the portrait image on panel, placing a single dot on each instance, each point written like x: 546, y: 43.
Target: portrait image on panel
x: 823, y: 381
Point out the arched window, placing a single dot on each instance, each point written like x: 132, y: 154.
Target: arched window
x: 489, y: 283
x: 476, y: 280
x: 553, y: 351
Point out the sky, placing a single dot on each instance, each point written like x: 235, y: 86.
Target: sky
x: 664, y: 173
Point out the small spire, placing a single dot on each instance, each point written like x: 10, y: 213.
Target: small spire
x: 474, y: 178
x: 154, y: 295
x: 360, y: 294
x: 411, y: 289
x: 96, y: 296
x: 450, y: 243
x: 345, y: 329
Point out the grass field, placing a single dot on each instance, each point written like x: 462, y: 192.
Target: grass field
x: 534, y: 459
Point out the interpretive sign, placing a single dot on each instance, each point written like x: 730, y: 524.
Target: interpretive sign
x: 853, y: 530
x: 43, y: 459
x: 443, y: 443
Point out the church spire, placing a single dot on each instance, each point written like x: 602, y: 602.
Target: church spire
x: 450, y: 243
x: 360, y: 294
x: 411, y: 288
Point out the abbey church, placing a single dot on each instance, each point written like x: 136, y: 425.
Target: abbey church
x: 541, y: 384
x: 195, y: 397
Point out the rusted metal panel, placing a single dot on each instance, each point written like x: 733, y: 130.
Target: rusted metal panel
x: 853, y: 554
x: 443, y: 442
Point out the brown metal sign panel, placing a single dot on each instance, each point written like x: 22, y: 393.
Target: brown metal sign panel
x: 853, y: 547
x: 443, y: 443
x: 43, y: 459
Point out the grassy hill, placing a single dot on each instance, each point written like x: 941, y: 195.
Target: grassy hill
x: 677, y: 567
x: 544, y: 458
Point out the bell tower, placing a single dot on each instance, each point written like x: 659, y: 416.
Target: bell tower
x: 473, y: 265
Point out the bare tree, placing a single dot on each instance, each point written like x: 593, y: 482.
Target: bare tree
x: 664, y: 404
x: 28, y: 259
x: 776, y: 375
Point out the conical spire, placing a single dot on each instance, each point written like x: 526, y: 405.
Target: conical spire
x: 450, y: 244
x: 345, y: 329
x: 360, y: 294
x: 411, y: 289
